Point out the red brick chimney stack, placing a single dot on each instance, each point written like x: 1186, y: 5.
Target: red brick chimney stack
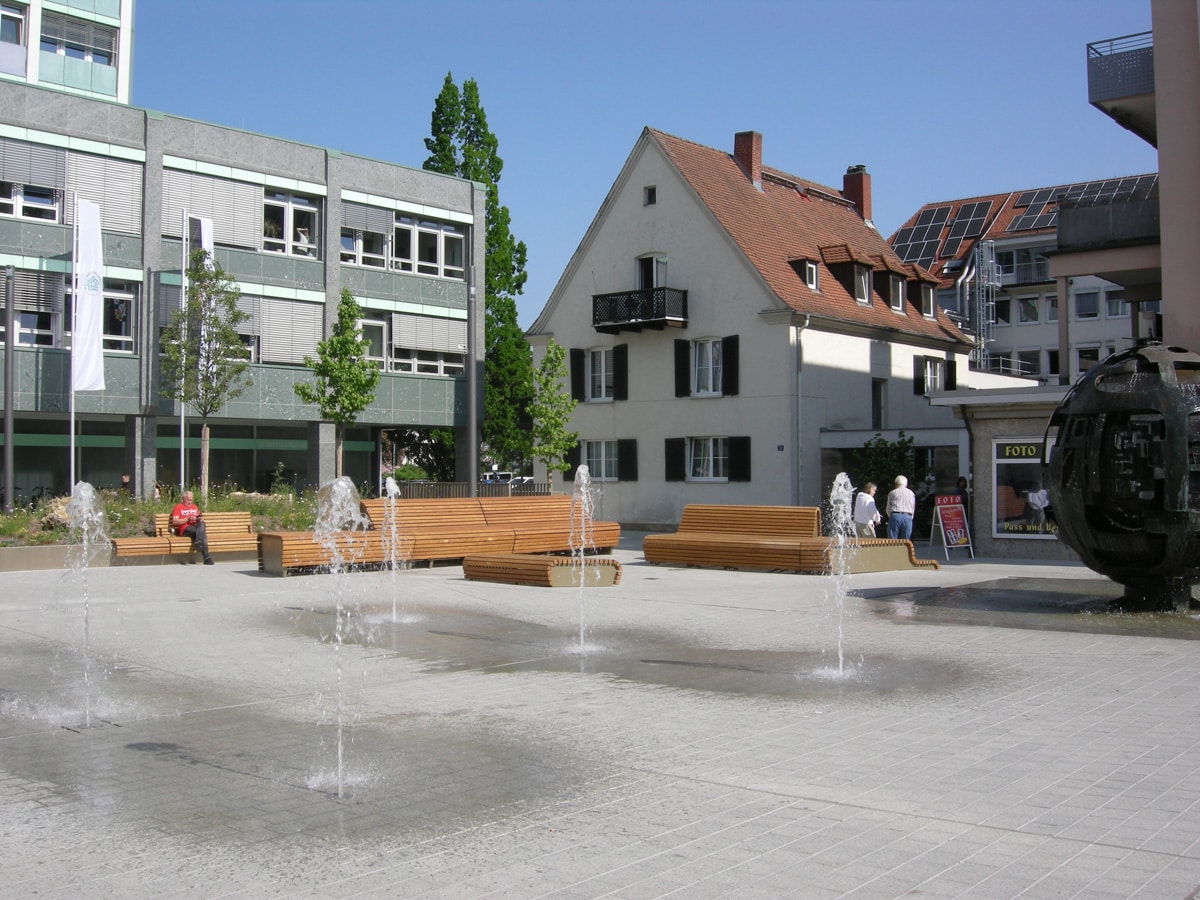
x: 747, y: 150
x: 856, y: 185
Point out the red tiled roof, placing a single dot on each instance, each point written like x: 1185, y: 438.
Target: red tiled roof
x: 790, y: 219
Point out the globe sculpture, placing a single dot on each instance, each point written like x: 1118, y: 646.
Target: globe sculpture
x: 1124, y: 473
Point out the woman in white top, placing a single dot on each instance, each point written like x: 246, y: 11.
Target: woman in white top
x: 866, y: 514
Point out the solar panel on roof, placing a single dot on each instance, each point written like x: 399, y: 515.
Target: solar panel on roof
x: 950, y: 248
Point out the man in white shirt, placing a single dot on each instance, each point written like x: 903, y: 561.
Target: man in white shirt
x: 901, y: 506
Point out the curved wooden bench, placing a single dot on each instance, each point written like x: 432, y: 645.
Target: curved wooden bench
x: 776, y: 538
x: 543, y: 571
x: 548, y: 524
x: 280, y: 552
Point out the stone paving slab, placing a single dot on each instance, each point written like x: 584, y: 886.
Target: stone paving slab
x: 176, y: 731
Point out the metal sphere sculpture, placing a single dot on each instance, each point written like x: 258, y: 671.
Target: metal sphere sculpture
x: 1124, y: 473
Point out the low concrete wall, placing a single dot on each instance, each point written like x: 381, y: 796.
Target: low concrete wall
x: 49, y: 556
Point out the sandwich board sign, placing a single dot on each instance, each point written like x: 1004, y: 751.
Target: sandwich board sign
x: 950, y: 520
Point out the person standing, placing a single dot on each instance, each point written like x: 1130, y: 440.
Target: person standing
x: 901, y: 506
x: 188, y: 521
x: 866, y: 513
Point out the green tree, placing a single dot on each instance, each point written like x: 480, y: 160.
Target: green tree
x: 204, y: 361
x: 551, y: 409
x: 461, y: 144
x: 430, y: 448
x: 881, y: 460
x: 345, y: 377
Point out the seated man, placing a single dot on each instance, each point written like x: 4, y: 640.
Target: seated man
x: 188, y: 521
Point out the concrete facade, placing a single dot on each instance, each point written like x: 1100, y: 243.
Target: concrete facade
x: 144, y: 167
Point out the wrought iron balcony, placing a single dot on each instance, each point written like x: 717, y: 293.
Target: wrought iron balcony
x: 655, y: 308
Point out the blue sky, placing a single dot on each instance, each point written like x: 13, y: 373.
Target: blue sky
x: 940, y: 99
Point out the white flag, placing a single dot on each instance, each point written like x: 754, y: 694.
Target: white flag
x: 87, y: 350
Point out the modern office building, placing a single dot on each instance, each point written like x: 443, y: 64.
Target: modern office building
x: 292, y: 225
x: 993, y: 258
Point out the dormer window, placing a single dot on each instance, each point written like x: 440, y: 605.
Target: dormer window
x: 896, y: 293
x: 927, y: 309
x: 862, y: 284
x: 810, y: 275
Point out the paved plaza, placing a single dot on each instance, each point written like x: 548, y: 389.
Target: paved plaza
x: 987, y: 730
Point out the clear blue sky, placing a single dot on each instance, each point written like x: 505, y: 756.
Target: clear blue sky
x: 938, y: 98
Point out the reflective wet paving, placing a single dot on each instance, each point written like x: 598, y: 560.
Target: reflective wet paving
x: 987, y: 730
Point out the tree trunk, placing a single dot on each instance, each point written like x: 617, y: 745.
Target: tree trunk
x: 337, y: 451
x: 204, y: 460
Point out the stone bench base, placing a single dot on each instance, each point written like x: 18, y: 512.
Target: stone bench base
x: 543, y: 571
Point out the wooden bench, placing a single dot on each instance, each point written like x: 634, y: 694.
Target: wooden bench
x: 543, y: 571
x: 548, y: 524
x: 775, y: 538
x: 280, y: 552
x: 227, y: 532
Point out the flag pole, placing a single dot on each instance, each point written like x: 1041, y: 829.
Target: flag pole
x: 74, y: 332
x: 183, y: 267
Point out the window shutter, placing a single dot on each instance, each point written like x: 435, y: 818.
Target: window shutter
x: 683, y: 368
x: 367, y: 218
x: 627, y: 462
x: 620, y: 356
x: 115, y: 184
x: 729, y: 366
x: 578, y: 360
x: 429, y: 333
x: 739, y: 459
x: 572, y: 459
x: 36, y: 164
x: 675, y: 451
x: 919, y: 375
x: 37, y: 292
x: 235, y: 207
x: 290, y: 329
x: 951, y: 380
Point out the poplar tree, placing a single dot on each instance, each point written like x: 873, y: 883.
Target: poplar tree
x: 204, y: 361
x: 345, y: 377
x: 461, y: 144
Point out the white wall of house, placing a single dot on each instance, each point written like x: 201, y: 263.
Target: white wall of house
x: 780, y: 360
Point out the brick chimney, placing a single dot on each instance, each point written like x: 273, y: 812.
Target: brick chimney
x: 747, y: 150
x: 856, y: 186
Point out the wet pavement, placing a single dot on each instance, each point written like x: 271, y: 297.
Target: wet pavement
x: 986, y: 730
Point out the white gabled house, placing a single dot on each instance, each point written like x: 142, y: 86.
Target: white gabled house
x: 733, y: 329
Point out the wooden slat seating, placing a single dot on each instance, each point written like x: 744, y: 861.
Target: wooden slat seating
x: 429, y: 530
x: 775, y: 538
x: 548, y: 525
x: 542, y: 570
x: 227, y: 532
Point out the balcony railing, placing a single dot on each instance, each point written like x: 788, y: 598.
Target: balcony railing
x: 1121, y: 67
x: 1116, y: 223
x: 1037, y: 272
x: 655, y: 308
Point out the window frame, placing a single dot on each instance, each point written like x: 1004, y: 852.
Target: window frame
x: 427, y: 247
x: 1003, y: 320
x: 928, y: 305
x: 99, y: 46
x: 812, y: 275
x: 1117, y: 296
x: 861, y: 280
x: 297, y: 213
x: 602, y: 458
x: 1091, y: 360
x: 896, y: 292
x: 599, y: 384
x: 119, y: 305
x: 10, y: 12
x: 1025, y: 303
x: 372, y: 324
x: 1094, y: 294
x: 650, y: 195
x: 356, y: 253
x: 709, y: 453
x: 707, y: 367
x: 1051, y: 301
x: 1033, y: 357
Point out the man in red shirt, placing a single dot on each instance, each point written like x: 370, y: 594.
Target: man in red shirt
x: 188, y: 521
